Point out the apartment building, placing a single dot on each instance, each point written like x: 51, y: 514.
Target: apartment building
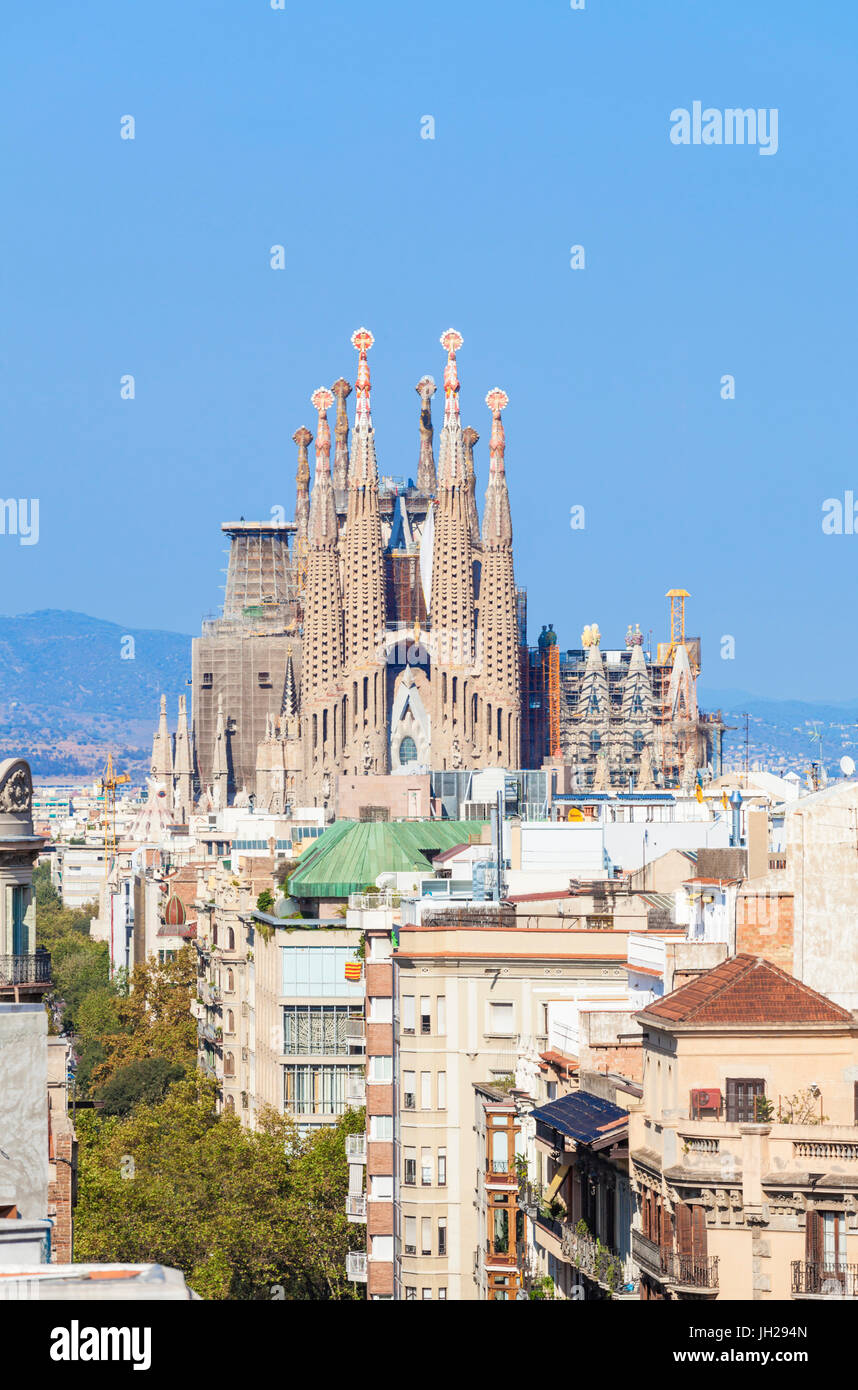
x: 280, y: 1022
x: 463, y: 998
x: 744, y: 1145
x: 577, y: 1194
x: 77, y: 873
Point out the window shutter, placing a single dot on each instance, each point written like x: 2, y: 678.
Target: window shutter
x: 698, y: 1233
x: 732, y: 1101
x: 813, y: 1238
x: 683, y: 1229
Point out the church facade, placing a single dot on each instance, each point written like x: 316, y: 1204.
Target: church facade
x: 375, y: 632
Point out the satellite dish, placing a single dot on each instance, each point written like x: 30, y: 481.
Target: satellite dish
x: 847, y: 766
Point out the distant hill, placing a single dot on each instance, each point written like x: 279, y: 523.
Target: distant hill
x: 68, y: 695
x: 781, y: 732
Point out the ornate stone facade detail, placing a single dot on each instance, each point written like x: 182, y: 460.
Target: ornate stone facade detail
x: 16, y: 790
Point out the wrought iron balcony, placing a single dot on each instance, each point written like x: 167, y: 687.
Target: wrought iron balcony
x: 28, y: 972
x: 810, y: 1280
x: 597, y: 1261
x: 690, y: 1271
x: 669, y: 1267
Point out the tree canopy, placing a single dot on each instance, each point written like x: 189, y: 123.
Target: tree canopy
x: 246, y: 1214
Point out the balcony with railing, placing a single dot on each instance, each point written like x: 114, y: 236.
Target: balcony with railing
x: 356, y: 1206
x: 356, y: 1266
x: 811, y: 1280
x: 356, y: 1148
x: 385, y: 898
x: 601, y: 1264
x: 694, y: 1273
x: 25, y: 974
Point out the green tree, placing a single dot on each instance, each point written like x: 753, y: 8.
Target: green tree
x: 147, y: 1080
x: 153, y: 1018
x: 246, y: 1214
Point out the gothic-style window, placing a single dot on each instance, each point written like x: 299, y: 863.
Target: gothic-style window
x: 595, y: 741
x: 637, y: 703
x: 638, y: 742
x: 407, y: 751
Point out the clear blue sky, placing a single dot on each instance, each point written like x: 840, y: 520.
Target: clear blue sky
x: 302, y: 127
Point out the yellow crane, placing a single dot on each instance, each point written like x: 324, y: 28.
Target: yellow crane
x: 109, y: 782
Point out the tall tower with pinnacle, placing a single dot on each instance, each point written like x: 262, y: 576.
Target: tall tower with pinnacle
x: 302, y: 438
x: 455, y: 712
x: 323, y: 722
x: 498, y: 735
x: 220, y: 761
x: 342, y: 390
x: 162, y: 751
x: 426, y: 476
x: 365, y: 610
x: 183, y: 767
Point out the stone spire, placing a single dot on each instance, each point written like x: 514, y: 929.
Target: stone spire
x: 322, y: 526
x: 363, y: 561
x: 342, y: 390
x: 364, y: 603
x: 183, y: 768
x: 289, y: 703
x: 322, y: 642
x: 426, y: 476
x: 220, y: 761
x: 302, y: 438
x: 451, y: 462
x: 162, y: 751
x: 451, y: 607
x: 469, y: 439
x: 498, y: 627
x: 497, y: 524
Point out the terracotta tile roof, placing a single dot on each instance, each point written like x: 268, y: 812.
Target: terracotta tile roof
x: 746, y: 989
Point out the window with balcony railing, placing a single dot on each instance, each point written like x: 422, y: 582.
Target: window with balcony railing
x: 318, y: 1090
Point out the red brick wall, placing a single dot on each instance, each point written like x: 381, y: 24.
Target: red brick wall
x: 379, y: 1160
x: 765, y: 926
x: 626, y: 1059
x: 379, y: 1279
x: 60, y: 1200
x: 379, y: 979
x: 379, y: 1039
x: 379, y: 1218
x: 379, y: 1100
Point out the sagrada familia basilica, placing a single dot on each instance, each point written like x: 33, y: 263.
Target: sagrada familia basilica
x: 381, y: 630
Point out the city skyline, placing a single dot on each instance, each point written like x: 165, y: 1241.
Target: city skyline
x: 698, y: 263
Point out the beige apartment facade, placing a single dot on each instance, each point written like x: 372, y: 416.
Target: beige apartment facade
x: 744, y: 1146
x: 279, y: 1022
x: 453, y: 1004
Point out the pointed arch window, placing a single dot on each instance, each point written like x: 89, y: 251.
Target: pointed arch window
x: 595, y: 741
x: 407, y: 751
x: 638, y: 741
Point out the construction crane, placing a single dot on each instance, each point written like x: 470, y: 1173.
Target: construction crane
x: 109, y: 782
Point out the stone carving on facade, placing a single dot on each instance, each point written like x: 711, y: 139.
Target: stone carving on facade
x: 16, y: 790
